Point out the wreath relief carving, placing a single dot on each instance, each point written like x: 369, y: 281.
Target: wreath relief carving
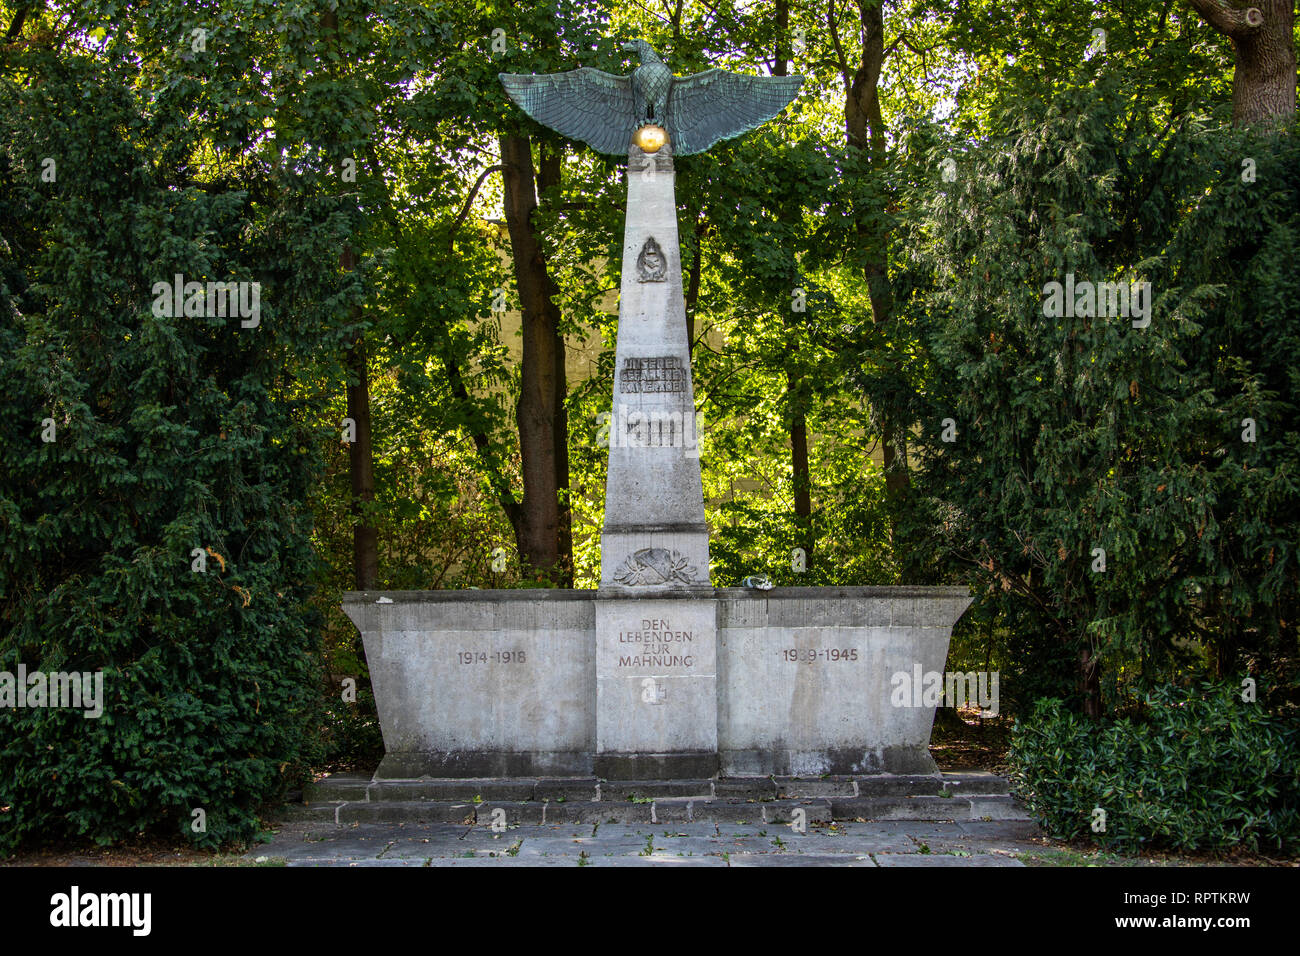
x: 655, y: 566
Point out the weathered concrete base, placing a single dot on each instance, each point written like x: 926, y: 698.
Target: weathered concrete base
x: 674, y: 766
x: 484, y: 763
x: 520, y: 683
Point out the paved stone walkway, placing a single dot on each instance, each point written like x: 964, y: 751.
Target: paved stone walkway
x: 901, y: 843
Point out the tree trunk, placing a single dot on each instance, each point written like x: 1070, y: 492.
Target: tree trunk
x: 865, y: 131
x: 807, y: 538
x: 781, y: 66
x: 800, y: 475
x: 1264, y: 75
x: 1090, y: 683
x: 361, y: 461
x: 543, y: 533
x: 550, y: 176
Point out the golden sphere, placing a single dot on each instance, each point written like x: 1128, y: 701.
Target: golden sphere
x: 650, y: 138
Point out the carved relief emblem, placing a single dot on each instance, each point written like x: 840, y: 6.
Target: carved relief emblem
x: 651, y: 264
x: 655, y: 566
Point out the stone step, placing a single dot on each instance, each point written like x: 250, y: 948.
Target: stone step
x: 513, y: 813
x: 976, y: 807
x: 338, y: 786
x: 385, y: 811
x: 532, y: 813
x: 686, y: 809
x: 997, y: 806
x: 360, y: 787
x: 588, y: 790
x: 665, y: 810
x: 563, y: 789
x: 458, y: 791
x: 614, y: 790
x: 522, y: 789
x: 975, y: 781
x: 876, y: 785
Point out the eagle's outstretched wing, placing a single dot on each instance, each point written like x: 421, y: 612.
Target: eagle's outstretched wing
x: 587, y: 104
x: 717, y: 105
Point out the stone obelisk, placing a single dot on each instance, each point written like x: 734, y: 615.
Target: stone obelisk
x: 656, y: 622
x: 655, y: 532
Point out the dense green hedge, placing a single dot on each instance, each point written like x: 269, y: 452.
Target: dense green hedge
x: 132, y: 439
x: 1194, y: 770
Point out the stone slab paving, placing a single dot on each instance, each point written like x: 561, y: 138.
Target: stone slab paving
x: 901, y: 843
x: 788, y: 859
x: 939, y: 859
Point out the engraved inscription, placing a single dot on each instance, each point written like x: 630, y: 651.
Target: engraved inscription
x: 813, y: 655
x: 492, y: 657
x: 656, y: 644
x: 664, y: 374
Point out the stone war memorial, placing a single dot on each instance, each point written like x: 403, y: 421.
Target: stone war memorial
x: 655, y: 675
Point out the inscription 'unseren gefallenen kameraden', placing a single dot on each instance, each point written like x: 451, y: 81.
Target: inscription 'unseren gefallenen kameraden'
x: 653, y: 646
x: 653, y: 375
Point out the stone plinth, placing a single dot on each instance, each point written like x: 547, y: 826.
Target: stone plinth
x: 481, y: 683
x: 787, y: 681
x: 656, y: 684
x: 805, y: 678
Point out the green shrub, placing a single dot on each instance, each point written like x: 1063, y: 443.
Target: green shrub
x: 134, y: 441
x: 1168, y: 450
x: 1192, y: 770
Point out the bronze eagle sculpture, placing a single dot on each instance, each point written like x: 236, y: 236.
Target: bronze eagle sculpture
x: 604, y: 110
